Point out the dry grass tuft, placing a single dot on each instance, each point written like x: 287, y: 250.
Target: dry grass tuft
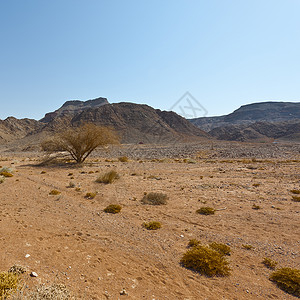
x: 295, y: 191
x: 288, y: 280
x: 296, y: 198
x: 205, y: 210
x: 193, y: 243
x: 123, y: 159
x: 269, y: 263
x: 54, y: 192
x: 108, y: 177
x: 155, y: 199
x: 153, y: 225
x: 113, y: 209
x: 221, y: 248
x: 8, y: 284
x: 90, y: 195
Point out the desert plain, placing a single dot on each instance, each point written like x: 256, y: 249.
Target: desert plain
x: 69, y: 239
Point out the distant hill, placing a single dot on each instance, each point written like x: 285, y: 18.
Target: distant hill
x: 255, y: 122
x: 135, y: 123
x: 272, y: 112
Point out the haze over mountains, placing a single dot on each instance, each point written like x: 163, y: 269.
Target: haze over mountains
x: 137, y: 123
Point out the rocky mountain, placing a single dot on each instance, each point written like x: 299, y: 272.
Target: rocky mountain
x: 135, y: 123
x: 271, y: 112
x: 263, y: 121
x: 12, y: 128
x: 73, y: 107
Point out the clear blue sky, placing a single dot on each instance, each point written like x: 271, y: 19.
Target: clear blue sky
x: 226, y: 53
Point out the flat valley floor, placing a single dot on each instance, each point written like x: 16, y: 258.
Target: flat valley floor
x: 71, y: 240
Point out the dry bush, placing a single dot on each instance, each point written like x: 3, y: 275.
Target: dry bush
x: 2, y: 179
x: 288, y: 280
x: 247, y: 246
x: 256, y: 207
x: 221, y: 248
x: 80, y: 142
x: 50, y: 292
x: 54, y: 192
x: 90, y: 195
x: 153, y: 225
x: 17, y: 269
x: 193, y: 243
x: 108, y: 177
x: 205, y: 210
x: 269, y: 263
x: 123, y: 159
x: 295, y: 191
x: 206, y: 261
x: 6, y: 172
x: 113, y: 209
x: 296, y: 198
x: 155, y: 199
x: 8, y: 284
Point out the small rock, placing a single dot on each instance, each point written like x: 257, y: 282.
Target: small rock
x: 27, y: 255
x: 123, y: 292
x: 33, y: 274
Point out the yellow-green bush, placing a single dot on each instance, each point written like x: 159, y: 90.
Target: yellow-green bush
x: 193, y: 243
x: 269, y: 263
x: 153, y: 225
x: 206, y: 261
x: 288, y: 280
x: 54, y: 192
x: 123, y: 159
x: 113, y: 209
x: 221, y: 248
x: 8, y: 284
x: 205, y: 210
x: 90, y: 195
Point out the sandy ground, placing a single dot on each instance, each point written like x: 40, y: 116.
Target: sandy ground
x: 71, y: 240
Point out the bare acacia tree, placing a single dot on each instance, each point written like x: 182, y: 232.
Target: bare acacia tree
x: 80, y: 142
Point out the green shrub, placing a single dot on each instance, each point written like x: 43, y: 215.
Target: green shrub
x: 288, y: 280
x: 54, y: 192
x: 155, y: 199
x: 108, y: 177
x: 221, y: 248
x: 206, y: 261
x: 193, y: 243
x: 8, y: 284
x: 123, y: 159
x: 269, y: 263
x: 90, y: 195
x: 295, y: 191
x: 113, y: 209
x: 205, y: 210
x: 153, y: 225
x: 296, y: 198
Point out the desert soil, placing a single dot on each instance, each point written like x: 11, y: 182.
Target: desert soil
x: 71, y: 240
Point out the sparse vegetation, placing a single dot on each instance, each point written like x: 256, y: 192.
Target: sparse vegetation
x: 71, y: 184
x: 256, y: 207
x: 153, y: 225
x: 221, y: 248
x: 8, y: 284
x: 80, y: 142
x: 205, y: 210
x: 296, y: 198
x: 108, y: 177
x: 6, y: 172
x: 2, y: 179
x: 247, y: 246
x: 113, y: 209
x: 54, y: 192
x: 206, y: 261
x: 53, y: 291
x: 155, y: 199
x: 288, y: 280
x: 193, y: 243
x: 295, y: 191
x: 123, y: 159
x: 256, y: 184
x: 90, y: 195
x: 269, y: 263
